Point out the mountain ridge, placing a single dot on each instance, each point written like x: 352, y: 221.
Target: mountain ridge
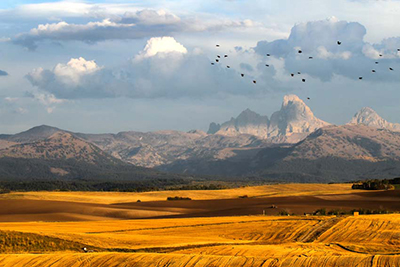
x: 294, y: 128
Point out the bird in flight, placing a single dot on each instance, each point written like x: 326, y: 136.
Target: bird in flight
x: 373, y: 71
x: 254, y: 81
x: 242, y: 75
x: 308, y: 98
x: 339, y: 42
x: 360, y: 78
x: 226, y: 56
x: 303, y: 80
x: 266, y: 65
x: 218, y: 56
x: 300, y: 51
x: 390, y: 68
x: 212, y: 63
x: 292, y: 74
x: 217, y: 45
x: 228, y: 67
x: 310, y: 57
x: 376, y: 62
x: 380, y: 55
x: 217, y: 60
x: 299, y: 72
x: 268, y: 55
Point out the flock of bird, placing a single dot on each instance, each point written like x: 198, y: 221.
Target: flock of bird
x: 219, y: 58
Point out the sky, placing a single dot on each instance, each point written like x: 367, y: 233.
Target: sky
x: 113, y: 65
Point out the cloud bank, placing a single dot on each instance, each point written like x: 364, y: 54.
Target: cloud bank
x: 166, y: 69
x: 323, y: 58
x: 131, y: 25
x: 163, y: 69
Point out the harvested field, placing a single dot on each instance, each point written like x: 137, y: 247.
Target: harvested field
x: 200, y: 232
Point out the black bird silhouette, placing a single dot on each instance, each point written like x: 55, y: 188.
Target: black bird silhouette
x: 398, y: 50
x: 217, y: 60
x: 226, y: 56
x: 374, y: 71
x: 299, y: 72
x: 376, y: 62
x: 310, y: 57
x: 228, y: 67
x: 212, y: 63
x: 242, y: 75
x: 254, y: 81
x: 266, y: 65
x: 292, y: 74
x: 268, y: 55
x: 390, y: 68
x: 308, y: 98
x: 339, y: 42
x: 218, y: 56
x: 360, y: 78
x: 303, y: 80
x: 300, y: 51
x: 217, y: 45
x: 380, y: 55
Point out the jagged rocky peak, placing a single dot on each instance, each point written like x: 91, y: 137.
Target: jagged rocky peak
x: 293, y: 108
x: 294, y: 117
x: 214, y: 128
x: 369, y: 117
x: 250, y: 117
x: 248, y: 122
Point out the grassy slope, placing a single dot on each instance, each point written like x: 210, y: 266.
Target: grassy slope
x: 228, y: 241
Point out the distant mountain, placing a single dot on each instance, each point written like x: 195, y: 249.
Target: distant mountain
x: 292, y: 123
x: 59, y: 146
x: 293, y: 145
x: 369, y: 117
x: 31, y: 135
x: 65, y: 156
x: 248, y: 122
x: 330, y: 154
x: 164, y: 147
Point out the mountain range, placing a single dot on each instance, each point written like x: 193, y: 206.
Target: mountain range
x: 291, y: 145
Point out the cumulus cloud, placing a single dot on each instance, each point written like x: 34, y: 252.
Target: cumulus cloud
x: 64, y: 79
x: 131, y: 25
x: 161, y: 45
x: 163, y: 69
x: 318, y: 39
x: 3, y: 73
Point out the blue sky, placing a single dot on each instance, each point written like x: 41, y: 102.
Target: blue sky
x: 109, y: 66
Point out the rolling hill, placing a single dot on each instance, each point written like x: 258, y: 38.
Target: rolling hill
x: 293, y: 145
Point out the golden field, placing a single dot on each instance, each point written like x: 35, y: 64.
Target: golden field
x: 117, y: 197
x: 211, y: 230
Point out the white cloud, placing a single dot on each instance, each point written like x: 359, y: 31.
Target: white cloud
x: 161, y: 45
x: 318, y: 40
x: 74, y: 70
x: 163, y: 69
x: 125, y: 26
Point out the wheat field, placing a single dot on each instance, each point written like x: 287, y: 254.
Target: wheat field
x: 365, y: 240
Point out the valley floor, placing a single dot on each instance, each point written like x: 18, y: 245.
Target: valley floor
x: 217, y: 229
